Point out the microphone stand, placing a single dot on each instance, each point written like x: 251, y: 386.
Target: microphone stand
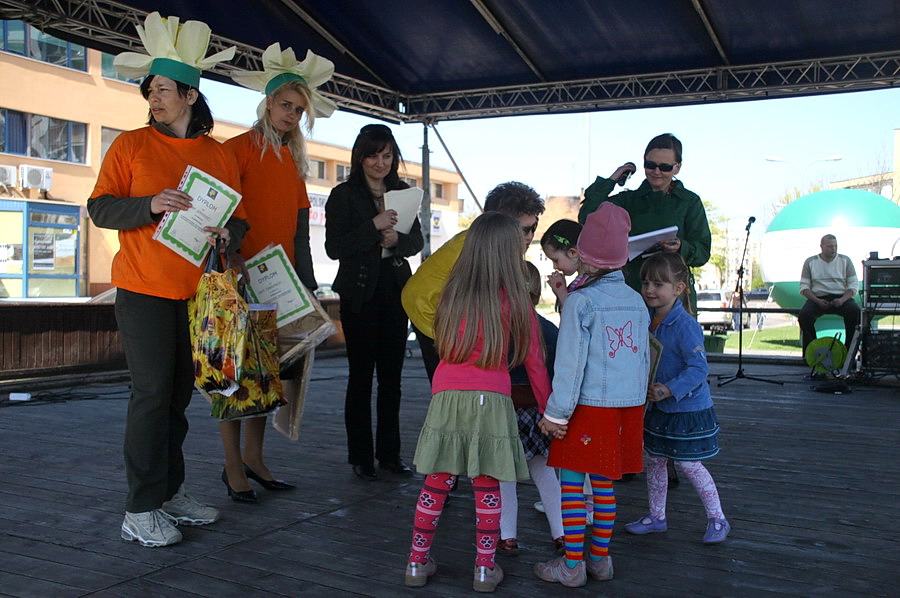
x: 739, y: 289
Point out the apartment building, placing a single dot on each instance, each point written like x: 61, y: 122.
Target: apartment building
x: 61, y: 107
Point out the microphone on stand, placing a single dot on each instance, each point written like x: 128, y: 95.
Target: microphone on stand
x: 749, y: 222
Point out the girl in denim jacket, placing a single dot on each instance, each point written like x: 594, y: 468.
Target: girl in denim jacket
x: 680, y: 422
x: 599, y: 389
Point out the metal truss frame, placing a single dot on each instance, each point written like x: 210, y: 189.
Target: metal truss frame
x: 110, y: 26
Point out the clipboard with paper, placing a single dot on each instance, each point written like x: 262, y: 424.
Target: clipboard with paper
x: 638, y: 245
x: 406, y: 203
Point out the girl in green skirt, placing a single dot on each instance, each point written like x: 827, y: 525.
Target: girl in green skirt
x: 484, y: 325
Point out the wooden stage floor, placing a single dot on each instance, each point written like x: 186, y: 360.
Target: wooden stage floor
x: 809, y: 481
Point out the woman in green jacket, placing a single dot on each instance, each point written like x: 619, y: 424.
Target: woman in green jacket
x: 661, y: 201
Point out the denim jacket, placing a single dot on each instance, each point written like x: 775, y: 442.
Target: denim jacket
x: 602, y: 358
x: 682, y: 365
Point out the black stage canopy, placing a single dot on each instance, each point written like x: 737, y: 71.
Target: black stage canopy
x: 431, y: 60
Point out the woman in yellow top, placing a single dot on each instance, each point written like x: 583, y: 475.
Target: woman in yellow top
x: 137, y: 184
x: 271, y: 159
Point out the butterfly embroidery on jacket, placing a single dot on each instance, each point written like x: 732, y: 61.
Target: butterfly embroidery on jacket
x: 620, y: 337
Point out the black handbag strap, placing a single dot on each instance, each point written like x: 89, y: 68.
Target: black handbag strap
x: 216, y: 260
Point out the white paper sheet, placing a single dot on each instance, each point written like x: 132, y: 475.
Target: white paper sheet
x: 638, y: 244
x: 406, y: 203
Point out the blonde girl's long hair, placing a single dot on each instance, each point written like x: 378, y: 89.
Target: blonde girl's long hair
x: 268, y: 137
x: 486, y: 290
x: 670, y: 268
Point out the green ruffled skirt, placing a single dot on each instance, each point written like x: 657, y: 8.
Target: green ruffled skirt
x: 471, y: 433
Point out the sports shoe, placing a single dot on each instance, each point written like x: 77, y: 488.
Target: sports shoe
x: 716, y: 531
x: 150, y: 528
x: 184, y: 510
x: 601, y: 570
x: 508, y: 547
x: 646, y: 525
x: 487, y: 579
x: 557, y: 570
x: 539, y: 506
x: 417, y: 574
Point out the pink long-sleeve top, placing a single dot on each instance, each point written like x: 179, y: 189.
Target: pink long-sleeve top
x: 466, y: 376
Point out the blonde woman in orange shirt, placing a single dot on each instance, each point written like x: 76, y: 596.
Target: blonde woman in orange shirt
x: 272, y: 163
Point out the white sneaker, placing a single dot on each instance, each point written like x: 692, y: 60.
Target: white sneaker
x: 539, y: 506
x: 184, y: 510
x: 150, y: 528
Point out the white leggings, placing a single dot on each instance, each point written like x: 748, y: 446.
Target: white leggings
x: 548, y: 488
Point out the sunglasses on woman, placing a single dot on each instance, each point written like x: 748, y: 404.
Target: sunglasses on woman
x: 651, y: 165
x: 529, y: 229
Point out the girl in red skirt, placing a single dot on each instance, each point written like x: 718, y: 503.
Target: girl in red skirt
x: 599, y: 389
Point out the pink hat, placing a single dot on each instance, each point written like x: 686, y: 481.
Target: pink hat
x: 603, y: 241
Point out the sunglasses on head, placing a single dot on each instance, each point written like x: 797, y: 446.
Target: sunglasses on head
x: 375, y: 129
x: 650, y: 165
x: 529, y: 229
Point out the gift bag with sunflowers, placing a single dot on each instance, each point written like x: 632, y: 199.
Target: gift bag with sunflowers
x: 259, y: 388
x: 218, y: 329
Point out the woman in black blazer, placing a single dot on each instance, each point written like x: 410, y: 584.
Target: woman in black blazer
x: 357, y: 229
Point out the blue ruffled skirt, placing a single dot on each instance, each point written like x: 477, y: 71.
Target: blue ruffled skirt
x: 689, y: 436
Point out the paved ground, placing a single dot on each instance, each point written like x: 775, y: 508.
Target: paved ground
x: 809, y: 481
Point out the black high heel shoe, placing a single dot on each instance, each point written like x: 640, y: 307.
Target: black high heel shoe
x: 267, y: 484
x: 248, y: 496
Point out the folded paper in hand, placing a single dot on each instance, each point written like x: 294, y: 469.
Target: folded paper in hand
x: 406, y: 203
x: 639, y: 244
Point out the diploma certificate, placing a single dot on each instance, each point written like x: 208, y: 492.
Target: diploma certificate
x: 273, y: 280
x: 213, y: 204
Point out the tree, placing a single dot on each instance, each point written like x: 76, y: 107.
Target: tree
x: 789, y: 195
x: 717, y: 227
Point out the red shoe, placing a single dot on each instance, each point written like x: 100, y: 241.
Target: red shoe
x: 508, y: 547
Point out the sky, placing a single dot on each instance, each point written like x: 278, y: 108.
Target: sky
x: 724, y: 157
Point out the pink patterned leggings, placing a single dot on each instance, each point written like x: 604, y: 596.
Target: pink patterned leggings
x: 701, y: 480
x: 430, y: 505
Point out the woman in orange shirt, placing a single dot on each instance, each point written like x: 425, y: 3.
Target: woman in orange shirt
x: 138, y: 183
x: 271, y: 159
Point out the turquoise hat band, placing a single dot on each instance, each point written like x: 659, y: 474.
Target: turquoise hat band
x: 175, y: 70
x: 279, y: 80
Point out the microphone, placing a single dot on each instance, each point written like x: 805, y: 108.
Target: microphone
x: 630, y: 170
x: 749, y: 222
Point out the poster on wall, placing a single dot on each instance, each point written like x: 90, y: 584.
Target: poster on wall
x: 317, y: 209
x: 43, y: 251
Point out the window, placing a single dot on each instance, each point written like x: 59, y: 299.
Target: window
x: 43, y: 137
x: 107, y: 136
x: 317, y: 169
x: 25, y: 40
x: 109, y: 71
x: 343, y: 172
x: 437, y: 190
x: 412, y: 182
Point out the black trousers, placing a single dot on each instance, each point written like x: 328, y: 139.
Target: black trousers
x: 154, y: 333
x: 810, y: 312
x: 376, y: 344
x: 429, y: 352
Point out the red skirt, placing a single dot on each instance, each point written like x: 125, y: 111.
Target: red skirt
x: 608, y: 441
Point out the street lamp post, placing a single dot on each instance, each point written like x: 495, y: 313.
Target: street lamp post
x: 832, y: 158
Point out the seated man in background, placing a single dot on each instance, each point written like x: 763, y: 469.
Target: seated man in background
x: 828, y: 281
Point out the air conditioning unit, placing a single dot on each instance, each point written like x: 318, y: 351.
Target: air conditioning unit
x: 35, y: 177
x: 8, y: 176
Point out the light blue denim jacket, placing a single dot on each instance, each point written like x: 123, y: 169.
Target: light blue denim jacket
x: 682, y: 365
x: 602, y: 357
